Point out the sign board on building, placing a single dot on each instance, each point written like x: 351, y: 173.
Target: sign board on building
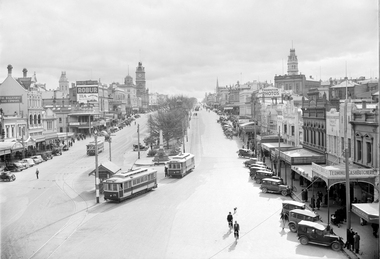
x: 338, y: 173
x: 87, y: 93
x: 270, y: 92
x: 11, y: 99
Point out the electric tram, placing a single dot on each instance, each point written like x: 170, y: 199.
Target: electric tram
x: 126, y: 184
x: 181, y: 165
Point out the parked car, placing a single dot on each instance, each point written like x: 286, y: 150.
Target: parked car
x: 318, y: 234
x: 7, y: 176
x: 245, y: 152
x: 251, y: 161
x: 142, y: 147
x: 276, y: 186
x: 37, y: 159
x: 298, y: 215
x: 47, y: 155
x: 29, y: 162
x: 57, y: 151
x: 15, y: 167
x: 291, y: 205
x: 261, y: 174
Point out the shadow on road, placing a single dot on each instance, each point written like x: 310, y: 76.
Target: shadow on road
x: 233, y: 246
x: 227, y: 234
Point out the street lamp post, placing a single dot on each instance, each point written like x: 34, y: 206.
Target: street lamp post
x: 96, y: 166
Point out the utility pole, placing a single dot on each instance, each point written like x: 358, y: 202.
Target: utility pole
x: 96, y: 167
x: 278, y: 158
x: 109, y: 141
x: 138, y: 141
x: 183, y: 131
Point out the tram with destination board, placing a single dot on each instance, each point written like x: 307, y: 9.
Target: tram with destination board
x: 126, y: 184
x: 179, y: 166
x: 91, y: 147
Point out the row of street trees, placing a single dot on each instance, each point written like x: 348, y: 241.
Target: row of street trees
x: 172, y: 119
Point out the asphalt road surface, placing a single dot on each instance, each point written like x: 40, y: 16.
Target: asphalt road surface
x: 57, y: 216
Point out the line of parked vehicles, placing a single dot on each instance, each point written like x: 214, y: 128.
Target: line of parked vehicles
x: 306, y: 223
x: 7, y: 175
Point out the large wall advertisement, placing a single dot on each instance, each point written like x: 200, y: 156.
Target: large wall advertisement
x: 87, y: 92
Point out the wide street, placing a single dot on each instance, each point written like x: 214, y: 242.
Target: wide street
x: 57, y: 216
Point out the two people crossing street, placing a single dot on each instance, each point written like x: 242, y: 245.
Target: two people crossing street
x: 235, y: 227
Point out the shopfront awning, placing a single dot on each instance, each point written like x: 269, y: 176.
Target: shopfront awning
x: 367, y: 211
x: 303, y: 170
x: 271, y: 146
x: 334, y: 174
x: 9, y: 147
x: 228, y: 108
x: 302, y: 157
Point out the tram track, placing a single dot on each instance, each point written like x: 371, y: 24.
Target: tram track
x: 76, y: 219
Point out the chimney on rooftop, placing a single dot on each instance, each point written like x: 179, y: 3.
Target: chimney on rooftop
x: 9, y: 67
x: 25, y: 72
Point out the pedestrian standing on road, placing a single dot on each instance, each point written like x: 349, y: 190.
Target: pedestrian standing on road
x: 236, y: 230
x: 235, y: 210
x: 166, y: 170
x: 283, y: 218
x: 356, y: 242
x: 37, y: 172
x: 230, y: 220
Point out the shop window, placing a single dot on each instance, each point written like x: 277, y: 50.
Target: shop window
x: 369, y: 152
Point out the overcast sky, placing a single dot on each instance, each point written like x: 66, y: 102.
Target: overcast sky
x: 186, y: 45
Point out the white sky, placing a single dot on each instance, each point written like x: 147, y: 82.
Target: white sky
x: 186, y: 45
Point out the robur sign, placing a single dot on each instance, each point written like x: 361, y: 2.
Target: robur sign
x: 87, y: 93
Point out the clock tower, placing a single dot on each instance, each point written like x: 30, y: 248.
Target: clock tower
x: 141, y: 90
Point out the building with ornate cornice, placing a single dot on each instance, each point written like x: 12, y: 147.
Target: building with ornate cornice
x: 294, y: 81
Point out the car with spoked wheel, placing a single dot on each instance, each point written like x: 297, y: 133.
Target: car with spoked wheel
x: 275, y: 185
x: 318, y: 234
x: 297, y: 215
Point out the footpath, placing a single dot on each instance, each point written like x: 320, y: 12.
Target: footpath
x: 368, y: 243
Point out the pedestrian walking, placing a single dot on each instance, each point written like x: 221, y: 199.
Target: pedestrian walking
x: 356, y: 242
x: 318, y: 203
x: 37, y: 172
x: 230, y: 220
x: 283, y: 218
x: 236, y: 230
x: 166, y: 170
x: 235, y: 210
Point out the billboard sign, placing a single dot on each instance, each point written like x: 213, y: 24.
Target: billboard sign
x: 11, y: 99
x: 270, y: 92
x: 87, y: 93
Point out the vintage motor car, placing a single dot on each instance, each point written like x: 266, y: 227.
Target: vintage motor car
x: 291, y: 205
x: 37, y: 159
x: 261, y: 174
x: 298, y: 215
x: 7, y: 177
x: 318, y: 234
x: 251, y: 161
x: 28, y: 161
x: 254, y: 168
x: 245, y: 152
x: 276, y: 186
x: 142, y: 147
x: 15, y: 167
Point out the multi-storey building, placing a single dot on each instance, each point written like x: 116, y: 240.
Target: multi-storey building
x: 293, y: 80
